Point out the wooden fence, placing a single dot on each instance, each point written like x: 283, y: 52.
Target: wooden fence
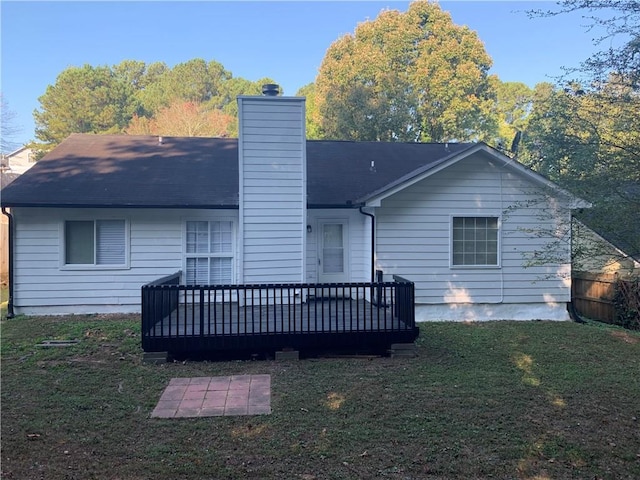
x: 607, y: 298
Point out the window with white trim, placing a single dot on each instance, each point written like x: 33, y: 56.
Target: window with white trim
x: 474, y: 241
x: 209, y: 252
x: 95, y: 242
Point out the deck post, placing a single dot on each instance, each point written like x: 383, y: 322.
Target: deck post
x: 202, y: 312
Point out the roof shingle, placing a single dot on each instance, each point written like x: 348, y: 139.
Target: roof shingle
x: 194, y: 172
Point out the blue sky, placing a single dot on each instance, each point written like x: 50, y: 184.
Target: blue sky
x: 282, y: 40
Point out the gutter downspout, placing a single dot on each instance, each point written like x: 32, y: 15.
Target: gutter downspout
x: 10, y: 313
x: 373, y: 242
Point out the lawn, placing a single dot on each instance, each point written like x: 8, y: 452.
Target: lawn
x: 502, y: 400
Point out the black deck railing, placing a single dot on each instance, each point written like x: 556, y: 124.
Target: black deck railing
x: 227, y: 317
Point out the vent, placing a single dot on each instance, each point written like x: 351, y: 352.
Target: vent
x: 271, y: 90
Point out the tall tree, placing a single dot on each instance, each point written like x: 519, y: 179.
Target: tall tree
x: 184, y: 119
x: 407, y: 76
x: 9, y: 127
x: 514, y: 103
x: 193, y: 81
x: 584, y: 133
x: 313, y: 121
x: 619, y: 20
x: 141, y: 98
x: 84, y: 100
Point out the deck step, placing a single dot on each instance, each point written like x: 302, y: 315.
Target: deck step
x: 155, y: 357
x: 283, y: 355
x: 407, y: 350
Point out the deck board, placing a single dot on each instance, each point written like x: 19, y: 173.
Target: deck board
x: 232, y: 319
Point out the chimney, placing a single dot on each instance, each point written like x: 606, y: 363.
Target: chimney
x: 270, y: 90
x: 273, y: 187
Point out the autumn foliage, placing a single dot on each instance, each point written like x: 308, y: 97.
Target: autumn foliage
x: 184, y: 119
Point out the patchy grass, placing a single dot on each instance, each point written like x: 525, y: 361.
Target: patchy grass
x: 4, y: 299
x: 499, y: 400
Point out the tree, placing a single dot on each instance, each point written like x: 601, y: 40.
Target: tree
x: 514, y: 102
x: 313, y: 120
x: 184, y: 119
x: 84, y: 100
x: 9, y: 127
x: 584, y: 132
x: 412, y: 76
x: 195, y: 81
x: 141, y: 99
x: 620, y: 20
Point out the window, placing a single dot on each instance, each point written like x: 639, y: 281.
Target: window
x: 209, y: 252
x: 95, y: 242
x: 475, y: 241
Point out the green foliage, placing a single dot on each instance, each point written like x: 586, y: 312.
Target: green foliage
x: 620, y: 22
x: 141, y: 98
x: 194, y: 81
x: 514, y: 102
x: 84, y: 100
x: 588, y: 141
x: 412, y: 76
x: 584, y: 132
x: 627, y: 303
x: 313, y: 120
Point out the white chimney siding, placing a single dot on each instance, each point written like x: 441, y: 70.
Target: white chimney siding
x: 273, y: 192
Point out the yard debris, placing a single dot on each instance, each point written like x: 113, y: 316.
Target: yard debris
x: 33, y: 436
x: 57, y: 343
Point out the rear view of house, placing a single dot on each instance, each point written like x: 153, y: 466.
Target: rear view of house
x: 101, y: 216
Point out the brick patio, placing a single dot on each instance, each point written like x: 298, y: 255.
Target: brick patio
x: 215, y: 397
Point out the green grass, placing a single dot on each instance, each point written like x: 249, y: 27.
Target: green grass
x: 506, y: 400
x: 4, y: 298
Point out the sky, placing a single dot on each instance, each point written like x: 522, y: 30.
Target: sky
x: 284, y: 40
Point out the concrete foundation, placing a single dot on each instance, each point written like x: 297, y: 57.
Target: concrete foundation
x: 482, y: 312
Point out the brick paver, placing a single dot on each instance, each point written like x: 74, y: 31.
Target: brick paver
x: 215, y: 397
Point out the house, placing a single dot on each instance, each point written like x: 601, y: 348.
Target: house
x: 18, y: 161
x: 102, y: 215
x: 605, y: 254
x: 11, y: 166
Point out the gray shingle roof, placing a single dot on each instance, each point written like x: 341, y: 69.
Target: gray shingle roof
x: 192, y: 172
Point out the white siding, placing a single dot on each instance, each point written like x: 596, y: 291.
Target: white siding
x: 272, y: 190
x: 42, y: 285
x: 413, y: 238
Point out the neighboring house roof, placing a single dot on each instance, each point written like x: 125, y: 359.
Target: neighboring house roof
x: 194, y: 172
x: 6, y: 178
x: 625, y: 237
x: 18, y: 161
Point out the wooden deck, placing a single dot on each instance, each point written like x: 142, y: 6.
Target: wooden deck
x: 215, y: 319
x: 323, y: 316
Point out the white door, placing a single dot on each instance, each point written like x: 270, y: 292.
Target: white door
x: 332, y: 252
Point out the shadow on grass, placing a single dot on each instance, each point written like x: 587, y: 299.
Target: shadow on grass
x: 526, y: 400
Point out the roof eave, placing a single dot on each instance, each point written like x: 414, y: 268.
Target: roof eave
x: 128, y: 205
x: 375, y: 198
